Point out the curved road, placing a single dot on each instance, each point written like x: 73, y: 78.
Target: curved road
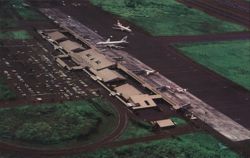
x: 121, y: 125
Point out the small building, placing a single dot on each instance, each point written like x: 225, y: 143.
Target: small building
x: 94, y: 59
x: 166, y: 123
x: 143, y: 101
x: 57, y: 36
x: 69, y: 46
x: 108, y: 75
x: 127, y: 91
x: 61, y: 63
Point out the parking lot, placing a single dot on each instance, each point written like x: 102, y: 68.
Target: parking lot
x: 31, y: 71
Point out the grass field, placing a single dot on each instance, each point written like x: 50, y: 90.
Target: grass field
x: 136, y: 129
x: 5, y: 92
x: 231, y: 59
x: 29, y: 14
x: 7, y: 23
x: 9, y: 20
x: 167, y: 17
x: 12, y: 8
x: 7, y: 17
x: 15, y: 35
x: 195, y: 145
x: 49, y: 124
x: 178, y: 121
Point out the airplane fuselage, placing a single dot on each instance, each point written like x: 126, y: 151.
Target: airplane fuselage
x: 111, y: 42
x: 119, y: 26
x: 123, y: 28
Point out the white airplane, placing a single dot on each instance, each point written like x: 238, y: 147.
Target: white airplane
x: 130, y: 104
x: 119, y: 26
x: 149, y: 72
x: 114, y: 44
x: 181, y: 90
x: 193, y: 117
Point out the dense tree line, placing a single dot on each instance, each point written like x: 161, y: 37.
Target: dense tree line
x: 50, y: 124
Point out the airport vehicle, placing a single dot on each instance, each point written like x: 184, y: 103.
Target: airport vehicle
x: 115, y: 44
x: 121, y: 27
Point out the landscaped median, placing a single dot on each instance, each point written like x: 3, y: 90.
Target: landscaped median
x: 167, y: 17
x: 50, y: 124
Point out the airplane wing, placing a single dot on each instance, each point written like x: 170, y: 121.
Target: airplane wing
x: 117, y: 27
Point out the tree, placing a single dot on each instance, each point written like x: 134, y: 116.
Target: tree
x: 132, y: 3
x: 38, y: 132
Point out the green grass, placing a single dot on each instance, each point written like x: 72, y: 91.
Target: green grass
x: 231, y: 59
x: 15, y: 35
x: 167, y: 17
x: 7, y: 16
x: 5, y: 92
x: 195, y: 145
x: 7, y: 23
x: 178, y: 121
x: 50, y: 124
x: 29, y: 14
x: 136, y: 129
x: 25, y: 12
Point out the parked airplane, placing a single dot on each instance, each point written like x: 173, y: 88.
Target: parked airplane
x: 114, y: 44
x: 181, y: 90
x: 149, y: 72
x: 119, y: 26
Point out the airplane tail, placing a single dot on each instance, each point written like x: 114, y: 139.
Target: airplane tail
x: 125, y: 38
x: 108, y: 40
